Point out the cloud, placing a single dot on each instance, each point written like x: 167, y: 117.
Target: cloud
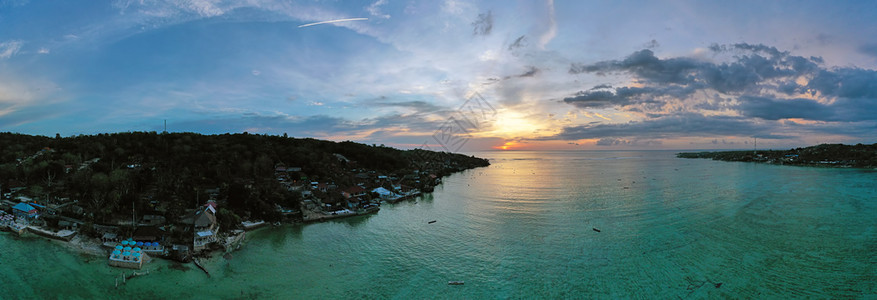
x: 9, y: 48
x: 483, y: 24
x: 531, y: 71
x: 375, y: 9
x: 518, y: 43
x: 602, y: 96
x: 417, y: 106
x: 333, y: 21
x: 645, y: 66
x: 613, y: 142
x: 757, y: 82
x: 842, y: 110
x: 652, y: 44
x: 551, y: 31
x: 673, y: 126
x: 625, y: 142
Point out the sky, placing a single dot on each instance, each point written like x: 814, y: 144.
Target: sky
x: 451, y: 75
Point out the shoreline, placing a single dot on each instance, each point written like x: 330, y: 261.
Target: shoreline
x: 93, y: 246
x: 837, y: 156
x: 816, y: 166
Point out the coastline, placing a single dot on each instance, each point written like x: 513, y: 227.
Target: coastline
x: 92, y: 246
x: 821, y: 156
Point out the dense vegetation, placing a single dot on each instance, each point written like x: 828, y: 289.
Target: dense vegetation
x: 169, y: 174
x: 835, y: 155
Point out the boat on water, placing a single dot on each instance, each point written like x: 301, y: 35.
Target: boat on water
x: 455, y: 282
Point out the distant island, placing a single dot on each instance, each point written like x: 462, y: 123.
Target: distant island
x: 825, y: 155
x: 179, y: 195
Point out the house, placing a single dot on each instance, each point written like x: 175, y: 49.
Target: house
x: 385, y: 194
x: 110, y: 237
x: 150, y: 220
x: 148, y: 234
x: 353, y: 191
x: 127, y: 255
x: 64, y: 224
x: 204, y: 222
x: 24, y: 211
x: 7, y: 205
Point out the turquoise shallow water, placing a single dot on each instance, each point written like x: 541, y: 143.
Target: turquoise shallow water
x: 524, y: 228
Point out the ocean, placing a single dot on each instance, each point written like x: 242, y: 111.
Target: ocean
x: 533, y: 225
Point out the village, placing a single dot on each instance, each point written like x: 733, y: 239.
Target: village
x: 149, y: 228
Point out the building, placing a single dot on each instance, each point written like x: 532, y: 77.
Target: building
x: 24, y: 211
x: 127, y: 255
x: 354, y: 191
x: 205, y: 226
x: 148, y: 234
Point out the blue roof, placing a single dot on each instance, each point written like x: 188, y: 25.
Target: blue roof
x: 23, y: 207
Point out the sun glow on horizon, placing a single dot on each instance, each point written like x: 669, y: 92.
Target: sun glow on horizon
x: 510, y: 145
x: 512, y: 124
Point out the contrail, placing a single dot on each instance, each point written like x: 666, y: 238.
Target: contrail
x: 333, y: 21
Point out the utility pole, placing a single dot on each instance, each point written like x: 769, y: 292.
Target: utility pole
x: 755, y: 148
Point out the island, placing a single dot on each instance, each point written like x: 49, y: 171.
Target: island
x: 136, y: 195
x: 824, y: 155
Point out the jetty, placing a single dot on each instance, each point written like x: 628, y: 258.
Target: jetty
x: 317, y: 216
x: 198, y: 264
x: 133, y: 274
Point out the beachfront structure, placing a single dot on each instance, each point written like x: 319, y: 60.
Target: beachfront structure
x: 24, y: 211
x: 148, y: 234
x: 204, y: 222
x: 353, y: 191
x: 127, y: 255
x: 386, y: 194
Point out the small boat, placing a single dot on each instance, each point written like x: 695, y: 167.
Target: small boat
x: 430, y: 222
x: 455, y: 282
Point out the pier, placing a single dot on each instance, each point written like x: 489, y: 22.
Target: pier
x: 198, y: 264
